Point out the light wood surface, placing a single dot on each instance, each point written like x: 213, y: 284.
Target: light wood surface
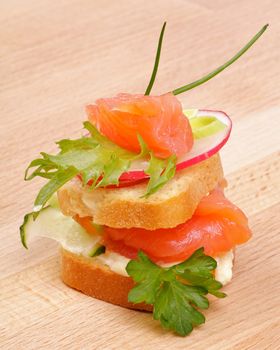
x: 57, y: 56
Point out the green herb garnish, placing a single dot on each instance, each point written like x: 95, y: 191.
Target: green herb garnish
x: 206, y: 77
x: 97, y: 159
x: 176, y: 293
x: 221, y: 68
x: 154, y: 73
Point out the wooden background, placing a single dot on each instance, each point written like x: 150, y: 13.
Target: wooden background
x: 57, y: 56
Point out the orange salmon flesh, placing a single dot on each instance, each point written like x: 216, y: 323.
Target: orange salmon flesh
x: 217, y: 225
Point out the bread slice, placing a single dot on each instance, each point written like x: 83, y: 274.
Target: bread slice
x: 98, y: 281
x: 172, y: 205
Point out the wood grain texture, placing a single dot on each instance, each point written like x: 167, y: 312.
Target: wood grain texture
x: 57, y: 56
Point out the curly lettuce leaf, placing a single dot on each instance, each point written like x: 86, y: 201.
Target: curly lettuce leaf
x: 97, y: 159
x: 160, y: 171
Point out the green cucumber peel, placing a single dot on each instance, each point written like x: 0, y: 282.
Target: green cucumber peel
x: 22, y: 230
x: 98, y: 250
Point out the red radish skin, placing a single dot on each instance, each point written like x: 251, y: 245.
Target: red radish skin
x: 140, y: 174
x: 133, y: 177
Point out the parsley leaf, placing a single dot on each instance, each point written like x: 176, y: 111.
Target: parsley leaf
x: 198, y: 270
x: 148, y: 275
x: 95, y: 158
x: 176, y: 292
x: 174, y: 310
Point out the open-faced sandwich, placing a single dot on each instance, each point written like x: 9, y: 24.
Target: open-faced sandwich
x: 138, y: 206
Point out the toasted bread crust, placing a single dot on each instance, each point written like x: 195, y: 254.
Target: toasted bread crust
x: 172, y: 205
x: 98, y: 281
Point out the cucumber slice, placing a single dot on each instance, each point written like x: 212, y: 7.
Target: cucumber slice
x: 97, y: 250
x: 190, y: 113
x: 53, y: 201
x: 204, y: 126
x: 51, y: 223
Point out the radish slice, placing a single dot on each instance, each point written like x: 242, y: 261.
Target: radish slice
x: 203, y: 147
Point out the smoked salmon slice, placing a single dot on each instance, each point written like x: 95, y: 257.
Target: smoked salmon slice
x: 217, y: 225
x: 158, y: 119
